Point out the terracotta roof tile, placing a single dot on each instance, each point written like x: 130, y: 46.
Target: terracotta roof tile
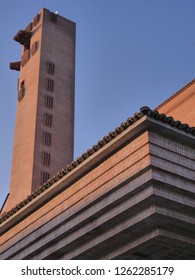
x: 101, y: 143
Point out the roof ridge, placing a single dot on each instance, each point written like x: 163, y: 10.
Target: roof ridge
x: 175, y: 94
x: 154, y: 114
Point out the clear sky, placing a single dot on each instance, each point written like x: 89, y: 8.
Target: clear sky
x: 129, y: 53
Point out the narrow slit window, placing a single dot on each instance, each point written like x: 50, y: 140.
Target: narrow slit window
x: 46, y: 158
x: 44, y: 177
x: 47, y: 119
x: 49, y: 101
x: 50, y: 68
x: 47, y: 138
x: 50, y: 84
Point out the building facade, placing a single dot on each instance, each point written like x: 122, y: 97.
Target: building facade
x: 44, y: 133
x: 131, y: 196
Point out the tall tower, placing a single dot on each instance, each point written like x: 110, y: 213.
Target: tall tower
x: 44, y: 132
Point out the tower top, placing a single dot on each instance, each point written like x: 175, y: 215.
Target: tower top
x: 23, y: 36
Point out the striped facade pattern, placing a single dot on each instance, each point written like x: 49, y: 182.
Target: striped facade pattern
x: 133, y: 198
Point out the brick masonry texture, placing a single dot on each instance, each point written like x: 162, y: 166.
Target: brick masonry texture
x: 131, y: 196
x: 55, y: 42
x: 128, y: 200
x: 180, y: 105
x: 144, y: 110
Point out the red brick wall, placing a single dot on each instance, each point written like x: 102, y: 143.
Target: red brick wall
x: 108, y: 175
x: 182, y: 106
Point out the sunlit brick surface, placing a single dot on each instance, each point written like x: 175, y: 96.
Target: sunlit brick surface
x: 55, y: 43
x: 133, y: 199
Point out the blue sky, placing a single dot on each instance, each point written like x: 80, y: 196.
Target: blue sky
x: 129, y: 53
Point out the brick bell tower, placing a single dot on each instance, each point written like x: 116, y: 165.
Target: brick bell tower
x: 44, y: 132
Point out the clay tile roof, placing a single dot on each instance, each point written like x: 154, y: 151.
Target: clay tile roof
x: 176, y: 94
x: 154, y: 114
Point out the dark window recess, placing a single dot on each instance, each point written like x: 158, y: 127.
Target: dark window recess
x: 36, y: 19
x: 25, y: 57
x: 44, y: 177
x: 47, y: 138
x: 53, y: 17
x: 27, y: 46
x: 47, y: 119
x: 34, y: 48
x: 49, y: 101
x: 50, y: 84
x: 21, y: 91
x: 45, y: 158
x: 50, y: 68
x: 22, y: 85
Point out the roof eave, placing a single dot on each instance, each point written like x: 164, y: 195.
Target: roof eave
x: 140, y: 126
